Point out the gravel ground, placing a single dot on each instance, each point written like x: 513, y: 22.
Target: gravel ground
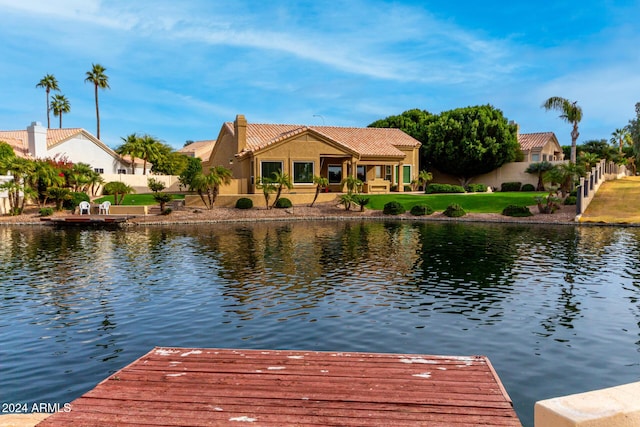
x: 565, y: 215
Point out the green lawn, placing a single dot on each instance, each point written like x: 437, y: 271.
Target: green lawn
x: 137, y: 199
x: 470, y: 202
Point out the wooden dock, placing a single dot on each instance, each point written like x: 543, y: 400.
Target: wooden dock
x: 210, y: 387
x: 87, y: 220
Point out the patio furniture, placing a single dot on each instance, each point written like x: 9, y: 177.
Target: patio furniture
x: 104, y: 208
x: 84, y: 208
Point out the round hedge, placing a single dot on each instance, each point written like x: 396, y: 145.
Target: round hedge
x: 244, y: 203
x: 454, y: 210
x: 420, y: 210
x: 76, y: 198
x: 528, y: 187
x: 283, y: 203
x: 516, y: 211
x: 393, y: 208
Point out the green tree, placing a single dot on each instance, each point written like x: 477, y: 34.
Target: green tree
x: 155, y: 185
x: 193, y: 169
x: 6, y: 156
x: 21, y: 169
x: 45, y: 175
x: 132, y: 147
x: 470, y: 141
x: 571, y: 113
x: 149, y: 149
x: 588, y: 160
x: 539, y: 168
x: 320, y: 183
x: 424, y: 177
x: 621, y: 137
x: 60, y: 105
x: 49, y: 83
x: 267, y: 186
x: 209, y: 185
x: 599, y: 147
x: 100, y: 80
x: 168, y: 162
x: 118, y: 189
x: 59, y: 195
x: 565, y: 175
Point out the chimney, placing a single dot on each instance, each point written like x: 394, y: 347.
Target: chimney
x: 37, y: 136
x: 240, y: 127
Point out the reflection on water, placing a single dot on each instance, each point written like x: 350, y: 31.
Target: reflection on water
x: 557, y: 309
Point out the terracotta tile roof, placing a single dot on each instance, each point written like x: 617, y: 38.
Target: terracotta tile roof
x: 201, y: 149
x: 54, y: 136
x: 18, y: 141
x: 529, y: 141
x: 363, y: 141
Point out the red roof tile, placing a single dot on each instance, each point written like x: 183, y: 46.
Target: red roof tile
x: 529, y: 141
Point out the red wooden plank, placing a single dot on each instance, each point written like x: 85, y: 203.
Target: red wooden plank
x: 171, y: 386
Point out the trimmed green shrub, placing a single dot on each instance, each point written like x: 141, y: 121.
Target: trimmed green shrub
x: 74, y: 201
x: 570, y: 200
x: 393, y: 208
x: 167, y: 211
x: 443, y: 188
x: 407, y: 188
x: 244, y: 203
x: 420, y: 210
x: 511, y: 186
x: 574, y: 193
x: 283, y: 203
x: 454, y: 210
x: 46, y: 211
x: 476, y: 188
x: 528, y: 187
x: 516, y: 211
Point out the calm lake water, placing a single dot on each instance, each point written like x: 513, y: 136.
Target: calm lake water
x: 556, y: 308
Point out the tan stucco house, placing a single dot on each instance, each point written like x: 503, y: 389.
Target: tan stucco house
x: 380, y: 157
x: 200, y: 149
x: 540, y: 147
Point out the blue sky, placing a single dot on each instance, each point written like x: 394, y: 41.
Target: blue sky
x: 179, y: 69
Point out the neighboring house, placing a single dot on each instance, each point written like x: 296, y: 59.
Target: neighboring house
x: 379, y: 157
x: 77, y: 145
x: 540, y: 147
x: 200, y: 149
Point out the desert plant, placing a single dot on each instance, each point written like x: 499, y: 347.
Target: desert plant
x: 347, y: 201
x: 244, y: 203
x: 155, y: 185
x: 46, y: 211
x: 420, y: 210
x: 361, y: 201
x: 282, y: 203
x: 548, y: 204
x: 454, y: 210
x: 393, y: 208
x: 516, y: 211
x: 162, y: 199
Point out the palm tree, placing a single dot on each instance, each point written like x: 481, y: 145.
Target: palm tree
x: 571, y: 113
x: 149, y: 149
x: 133, y: 147
x: 424, y: 177
x: 621, y: 136
x: 60, y: 105
x: 540, y: 168
x: 280, y: 180
x: 49, y: 83
x: 210, y: 183
x: 118, y: 189
x: 99, y: 80
x: 320, y: 183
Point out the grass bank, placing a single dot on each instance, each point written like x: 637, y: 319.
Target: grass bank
x: 616, y: 202
x: 470, y: 202
x: 145, y: 199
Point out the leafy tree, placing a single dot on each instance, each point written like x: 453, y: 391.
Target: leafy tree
x: 155, y: 185
x: 132, y: 147
x: 281, y: 180
x: 49, y: 83
x: 60, y: 105
x: 118, y: 189
x: 599, y: 147
x: 470, y: 141
x: 634, y: 130
x: 44, y: 175
x: 6, y: 155
x: 540, y: 168
x: 571, y: 113
x: 168, y: 162
x: 100, y: 80
x: 193, y: 168
x: 209, y: 185
x: 320, y: 183
x: 21, y: 169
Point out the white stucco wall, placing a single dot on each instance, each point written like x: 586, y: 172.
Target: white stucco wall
x: 80, y: 149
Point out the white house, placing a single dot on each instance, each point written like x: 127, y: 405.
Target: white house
x: 76, y: 144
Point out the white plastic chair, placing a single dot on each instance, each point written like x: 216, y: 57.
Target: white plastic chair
x: 104, y: 208
x: 85, y: 208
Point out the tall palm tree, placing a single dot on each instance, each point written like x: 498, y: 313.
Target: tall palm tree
x: 49, y: 83
x: 570, y: 113
x: 210, y: 183
x: 60, y: 105
x: 100, y: 80
x: 320, y: 183
x: 149, y: 149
